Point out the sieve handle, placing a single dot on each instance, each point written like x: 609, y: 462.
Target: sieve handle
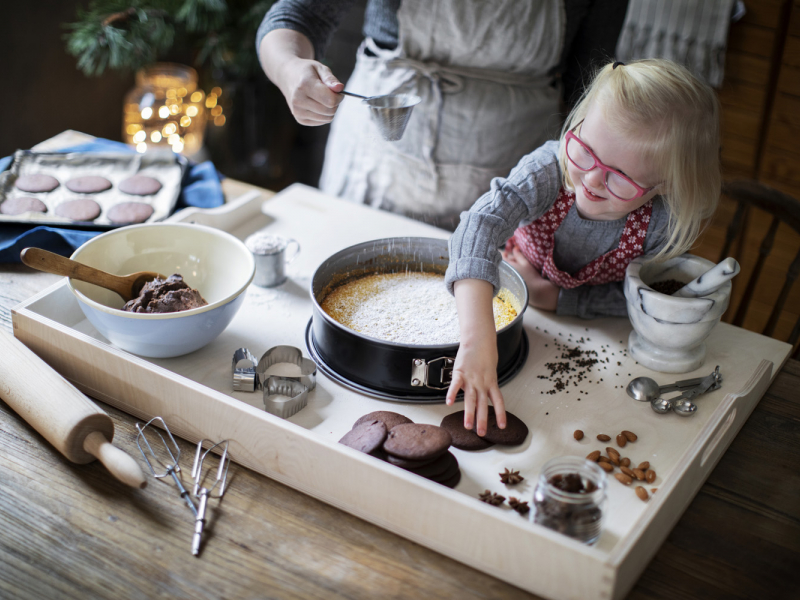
x: 354, y: 95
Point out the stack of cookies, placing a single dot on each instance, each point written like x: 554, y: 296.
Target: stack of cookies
x: 419, y: 448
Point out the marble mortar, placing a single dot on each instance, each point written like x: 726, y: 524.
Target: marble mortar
x: 669, y: 332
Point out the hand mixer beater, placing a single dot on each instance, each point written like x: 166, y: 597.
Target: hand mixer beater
x: 204, y: 493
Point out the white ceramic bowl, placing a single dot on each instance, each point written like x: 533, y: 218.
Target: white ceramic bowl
x: 214, y: 262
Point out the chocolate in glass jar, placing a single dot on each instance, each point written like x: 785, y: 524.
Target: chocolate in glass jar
x: 570, y: 498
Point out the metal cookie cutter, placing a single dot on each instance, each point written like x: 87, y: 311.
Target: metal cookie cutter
x: 283, y: 395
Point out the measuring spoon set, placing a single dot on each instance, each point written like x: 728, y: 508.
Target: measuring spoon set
x: 646, y: 389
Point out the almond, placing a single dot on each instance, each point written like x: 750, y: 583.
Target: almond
x: 653, y: 490
x: 625, y: 462
x: 644, y: 466
x: 603, y: 437
x: 607, y: 467
x: 639, y: 474
x: 642, y: 493
x: 627, y: 471
x: 613, y: 454
x: 593, y: 456
x: 578, y: 435
x: 621, y: 440
x: 623, y: 479
x: 650, y: 476
x: 630, y: 436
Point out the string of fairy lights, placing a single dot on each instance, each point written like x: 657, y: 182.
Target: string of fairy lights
x: 168, y: 110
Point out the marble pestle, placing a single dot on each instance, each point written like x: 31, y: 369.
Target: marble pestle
x: 710, y: 281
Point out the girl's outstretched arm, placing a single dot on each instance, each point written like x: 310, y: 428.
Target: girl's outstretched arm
x: 475, y: 370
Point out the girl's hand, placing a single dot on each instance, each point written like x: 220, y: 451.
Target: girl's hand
x: 542, y: 292
x: 475, y: 369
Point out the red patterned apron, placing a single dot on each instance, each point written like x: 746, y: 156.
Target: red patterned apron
x: 536, y: 241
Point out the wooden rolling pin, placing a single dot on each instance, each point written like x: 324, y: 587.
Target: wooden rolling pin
x: 60, y: 412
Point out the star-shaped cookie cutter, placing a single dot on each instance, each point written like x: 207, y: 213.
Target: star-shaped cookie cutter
x: 283, y: 395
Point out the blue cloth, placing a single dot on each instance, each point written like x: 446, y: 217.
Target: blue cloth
x: 200, y: 188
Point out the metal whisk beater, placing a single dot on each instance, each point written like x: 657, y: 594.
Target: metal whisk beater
x: 204, y: 493
x: 167, y: 457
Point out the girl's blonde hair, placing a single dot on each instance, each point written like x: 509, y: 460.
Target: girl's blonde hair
x: 674, y: 119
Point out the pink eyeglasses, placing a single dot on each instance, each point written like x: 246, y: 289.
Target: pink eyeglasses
x: 618, y: 185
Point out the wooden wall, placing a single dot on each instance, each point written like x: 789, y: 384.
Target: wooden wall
x: 760, y: 100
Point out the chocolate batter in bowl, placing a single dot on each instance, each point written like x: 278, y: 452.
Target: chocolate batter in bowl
x: 400, y: 370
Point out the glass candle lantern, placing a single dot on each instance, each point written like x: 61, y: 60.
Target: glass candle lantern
x: 166, y: 109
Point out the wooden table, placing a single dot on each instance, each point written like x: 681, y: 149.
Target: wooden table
x: 73, y: 531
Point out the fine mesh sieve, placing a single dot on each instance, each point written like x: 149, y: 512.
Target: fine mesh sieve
x: 390, y: 113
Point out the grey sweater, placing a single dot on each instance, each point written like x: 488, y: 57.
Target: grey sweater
x: 525, y: 195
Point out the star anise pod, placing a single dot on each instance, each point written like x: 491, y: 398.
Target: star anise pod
x: 517, y: 505
x: 491, y: 498
x: 510, y: 477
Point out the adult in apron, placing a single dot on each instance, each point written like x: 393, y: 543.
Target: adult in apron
x: 484, y: 72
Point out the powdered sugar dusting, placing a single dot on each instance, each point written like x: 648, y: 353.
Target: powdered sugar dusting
x: 407, y: 308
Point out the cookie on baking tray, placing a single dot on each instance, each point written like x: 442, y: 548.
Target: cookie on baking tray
x: 417, y: 441
x: 36, y: 183
x: 408, y: 464
x: 463, y: 439
x: 367, y: 437
x: 82, y: 209
x: 139, y: 185
x: 89, y: 184
x: 130, y: 212
x: 441, y: 468
x: 390, y: 419
x: 22, y: 204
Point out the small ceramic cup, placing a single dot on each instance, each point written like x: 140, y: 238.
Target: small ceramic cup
x: 272, y: 253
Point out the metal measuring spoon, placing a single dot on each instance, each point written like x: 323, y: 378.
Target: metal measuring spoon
x: 682, y: 404
x: 645, y: 389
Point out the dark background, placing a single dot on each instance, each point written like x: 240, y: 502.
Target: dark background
x: 43, y: 94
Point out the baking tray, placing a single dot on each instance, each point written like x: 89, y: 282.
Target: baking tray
x: 193, y: 394
x: 167, y: 167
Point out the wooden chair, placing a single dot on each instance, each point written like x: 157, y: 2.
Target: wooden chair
x: 784, y: 209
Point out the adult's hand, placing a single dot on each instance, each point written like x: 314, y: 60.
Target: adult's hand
x: 310, y: 88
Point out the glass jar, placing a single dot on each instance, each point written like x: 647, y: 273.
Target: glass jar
x: 165, y: 109
x: 570, y: 497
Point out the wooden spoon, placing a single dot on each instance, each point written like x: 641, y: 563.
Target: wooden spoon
x: 127, y: 286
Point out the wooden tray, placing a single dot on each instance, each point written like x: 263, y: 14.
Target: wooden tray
x: 193, y: 394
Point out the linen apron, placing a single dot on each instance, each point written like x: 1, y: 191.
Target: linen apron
x: 484, y: 71
x: 537, y: 240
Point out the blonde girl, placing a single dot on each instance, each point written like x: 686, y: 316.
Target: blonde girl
x: 636, y: 172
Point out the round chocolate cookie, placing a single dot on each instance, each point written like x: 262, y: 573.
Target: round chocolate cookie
x: 366, y: 438
x: 139, y: 185
x: 130, y: 212
x: 463, y: 439
x: 36, y: 183
x: 513, y: 435
x: 417, y: 441
x: 81, y: 209
x: 409, y: 464
x: 22, y: 204
x: 453, y: 481
x: 441, y: 468
x: 91, y: 184
x: 390, y: 419
x: 451, y: 470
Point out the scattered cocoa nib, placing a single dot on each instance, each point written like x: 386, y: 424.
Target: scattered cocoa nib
x: 518, y: 505
x: 510, y: 477
x: 491, y: 498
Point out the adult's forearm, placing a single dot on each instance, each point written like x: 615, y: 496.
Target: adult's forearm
x: 279, y: 48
